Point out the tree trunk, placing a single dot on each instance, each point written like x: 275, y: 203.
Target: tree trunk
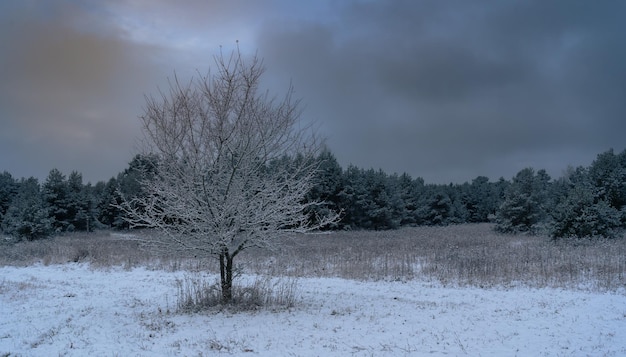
x: 226, y: 276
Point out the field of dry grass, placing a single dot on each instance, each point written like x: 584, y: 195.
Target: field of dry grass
x: 464, y: 255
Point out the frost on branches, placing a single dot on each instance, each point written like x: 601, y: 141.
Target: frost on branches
x: 232, y: 167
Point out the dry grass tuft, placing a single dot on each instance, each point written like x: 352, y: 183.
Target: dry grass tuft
x: 200, y: 294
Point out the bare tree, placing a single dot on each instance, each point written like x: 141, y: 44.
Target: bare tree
x: 232, y: 166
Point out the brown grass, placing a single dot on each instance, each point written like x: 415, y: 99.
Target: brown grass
x: 466, y: 255
x: 198, y: 293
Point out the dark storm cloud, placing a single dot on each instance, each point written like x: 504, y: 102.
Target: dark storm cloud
x: 451, y: 90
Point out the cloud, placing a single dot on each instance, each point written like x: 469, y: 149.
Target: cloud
x: 69, y: 96
x: 446, y: 89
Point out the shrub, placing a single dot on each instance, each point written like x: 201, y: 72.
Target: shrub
x: 199, y: 294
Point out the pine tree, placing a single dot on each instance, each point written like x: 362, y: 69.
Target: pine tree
x: 77, y: 203
x: 326, y: 188
x: 107, y: 206
x: 28, y: 216
x: 459, y: 213
x: 437, y: 207
x: 608, y: 174
x: 481, y: 199
x: 55, y: 192
x: 351, y: 198
x: 126, y: 186
x: 583, y: 209
x: 8, y: 190
x: 411, y: 191
x: 389, y: 199
x: 525, y: 206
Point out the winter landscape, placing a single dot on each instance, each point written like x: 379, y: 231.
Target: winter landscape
x: 439, y: 196
x: 402, y: 293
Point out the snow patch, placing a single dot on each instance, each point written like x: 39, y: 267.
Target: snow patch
x: 74, y: 309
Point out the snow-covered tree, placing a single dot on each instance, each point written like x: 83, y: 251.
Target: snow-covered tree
x: 54, y: 191
x: 326, y: 188
x: 108, y: 202
x: 525, y: 206
x: 215, y: 191
x: 608, y: 174
x: 28, y: 217
x: 582, y: 208
x: 437, y: 207
x: 353, y: 194
x: 411, y: 191
x: 8, y: 190
x: 126, y: 186
x: 68, y: 202
x: 371, y: 199
x: 78, y: 204
x: 480, y: 199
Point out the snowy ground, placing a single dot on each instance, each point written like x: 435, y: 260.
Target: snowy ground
x: 75, y: 310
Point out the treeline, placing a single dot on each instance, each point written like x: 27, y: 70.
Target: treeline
x: 30, y: 210
x: 585, y: 202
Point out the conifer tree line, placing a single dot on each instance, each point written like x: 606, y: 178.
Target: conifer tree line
x: 584, y: 202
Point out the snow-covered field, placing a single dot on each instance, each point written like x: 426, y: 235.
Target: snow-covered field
x: 77, y: 310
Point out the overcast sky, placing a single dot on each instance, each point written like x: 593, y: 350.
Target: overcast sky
x: 444, y: 90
